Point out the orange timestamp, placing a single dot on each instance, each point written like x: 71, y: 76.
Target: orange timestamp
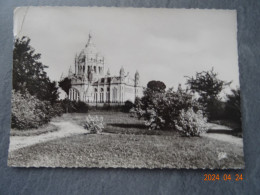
x: 225, y: 177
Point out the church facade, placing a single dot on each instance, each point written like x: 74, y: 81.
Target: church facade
x: 92, y: 85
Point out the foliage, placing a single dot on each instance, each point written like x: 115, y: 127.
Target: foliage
x: 81, y: 107
x: 127, y: 106
x: 208, y: 86
x: 160, y: 110
x: 233, y: 108
x: 57, y: 109
x: 158, y: 86
x: 28, y: 111
x: 52, y: 94
x: 34, y: 96
x: 216, y: 109
x: 65, y: 85
x: 94, y: 124
x: 29, y: 73
x: 191, y: 123
x: 74, y: 106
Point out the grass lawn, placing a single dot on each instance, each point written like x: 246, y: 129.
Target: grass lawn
x: 126, y: 143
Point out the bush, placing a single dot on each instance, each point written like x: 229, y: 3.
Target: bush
x: 56, y: 109
x: 127, y: 106
x: 74, y: 106
x: 28, y: 111
x: 81, y: 107
x: 191, y: 123
x: 161, y: 109
x: 94, y: 124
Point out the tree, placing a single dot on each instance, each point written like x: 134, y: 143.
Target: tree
x: 233, y: 109
x: 28, y: 71
x: 34, y: 98
x: 208, y: 86
x: 161, y: 110
x: 153, y: 90
x: 52, y: 94
x: 157, y: 86
x: 65, y: 85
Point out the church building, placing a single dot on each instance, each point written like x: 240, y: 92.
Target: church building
x: 91, y: 85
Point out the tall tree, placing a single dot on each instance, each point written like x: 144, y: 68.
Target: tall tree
x: 208, y: 86
x: 28, y: 71
x: 157, y: 86
x: 154, y: 89
x: 65, y: 85
x: 233, y: 109
x: 53, y: 93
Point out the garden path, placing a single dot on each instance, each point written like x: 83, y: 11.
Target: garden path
x: 222, y: 136
x: 66, y: 129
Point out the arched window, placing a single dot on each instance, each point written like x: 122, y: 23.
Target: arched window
x: 85, y: 97
x: 108, y: 95
x: 101, y: 95
x: 115, y: 95
x: 74, y: 94
x: 95, y: 94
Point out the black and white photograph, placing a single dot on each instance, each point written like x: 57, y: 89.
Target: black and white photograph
x: 110, y: 87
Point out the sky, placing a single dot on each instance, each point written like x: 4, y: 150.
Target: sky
x: 162, y: 44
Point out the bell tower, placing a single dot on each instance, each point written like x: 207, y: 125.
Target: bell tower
x: 137, y: 78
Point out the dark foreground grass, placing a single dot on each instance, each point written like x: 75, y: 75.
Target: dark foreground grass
x: 127, y: 143
x: 113, y: 150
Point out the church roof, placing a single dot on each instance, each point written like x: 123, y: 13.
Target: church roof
x: 90, y: 49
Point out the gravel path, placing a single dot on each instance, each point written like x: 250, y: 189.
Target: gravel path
x: 223, y: 137
x: 66, y: 129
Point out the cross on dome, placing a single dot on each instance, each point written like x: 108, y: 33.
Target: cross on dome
x: 89, y: 43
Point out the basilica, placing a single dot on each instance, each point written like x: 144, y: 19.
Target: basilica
x: 92, y: 85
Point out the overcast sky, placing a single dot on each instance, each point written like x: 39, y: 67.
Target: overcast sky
x: 162, y: 44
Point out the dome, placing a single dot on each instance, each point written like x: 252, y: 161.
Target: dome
x: 90, y: 48
x: 82, y: 55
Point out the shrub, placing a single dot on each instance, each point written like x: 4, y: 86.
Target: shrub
x: 56, y: 109
x: 154, y: 121
x: 127, y: 106
x: 28, y: 111
x: 191, y: 123
x: 81, y: 107
x: 94, y: 124
x: 74, y: 106
x: 161, y: 109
